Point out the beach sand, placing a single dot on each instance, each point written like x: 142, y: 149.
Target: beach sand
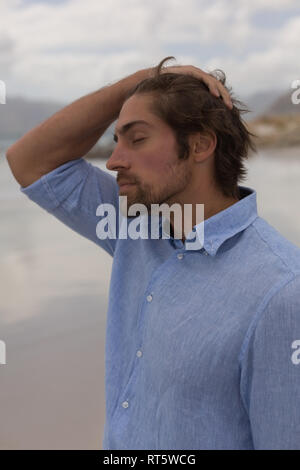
x: 53, y: 291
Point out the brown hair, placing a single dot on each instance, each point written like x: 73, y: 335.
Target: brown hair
x: 185, y: 103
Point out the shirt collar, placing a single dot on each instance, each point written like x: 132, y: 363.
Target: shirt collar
x: 225, y: 224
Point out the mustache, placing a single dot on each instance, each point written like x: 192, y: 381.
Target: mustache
x: 125, y: 180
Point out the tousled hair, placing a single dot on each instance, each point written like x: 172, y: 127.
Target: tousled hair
x: 185, y: 103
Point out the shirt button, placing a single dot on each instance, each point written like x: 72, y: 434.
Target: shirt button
x: 149, y: 298
x: 139, y: 353
x: 180, y: 255
x: 125, y: 404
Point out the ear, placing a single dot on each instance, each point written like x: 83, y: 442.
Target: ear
x: 202, y: 145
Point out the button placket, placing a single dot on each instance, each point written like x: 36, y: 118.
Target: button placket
x: 133, y: 374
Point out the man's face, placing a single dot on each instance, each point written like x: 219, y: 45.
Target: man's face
x: 147, y: 156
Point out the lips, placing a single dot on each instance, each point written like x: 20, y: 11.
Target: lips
x: 123, y: 182
x: 125, y: 186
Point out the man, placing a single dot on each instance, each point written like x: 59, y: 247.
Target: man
x: 202, y: 345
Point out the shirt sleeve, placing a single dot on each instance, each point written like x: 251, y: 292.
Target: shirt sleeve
x: 72, y: 193
x: 270, y: 379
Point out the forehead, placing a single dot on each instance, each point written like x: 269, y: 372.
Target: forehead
x: 135, y: 111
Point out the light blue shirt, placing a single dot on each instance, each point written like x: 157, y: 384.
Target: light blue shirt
x: 202, y: 346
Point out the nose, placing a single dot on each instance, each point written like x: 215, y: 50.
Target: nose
x: 117, y: 160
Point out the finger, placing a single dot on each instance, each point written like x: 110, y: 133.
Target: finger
x: 213, y: 86
x: 214, y: 89
x: 225, y: 96
x: 217, y: 89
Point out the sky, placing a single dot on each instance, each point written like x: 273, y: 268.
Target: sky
x: 63, y: 49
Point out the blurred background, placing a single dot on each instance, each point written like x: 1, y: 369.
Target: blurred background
x: 53, y: 282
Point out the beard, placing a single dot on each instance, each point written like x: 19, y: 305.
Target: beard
x: 165, y: 193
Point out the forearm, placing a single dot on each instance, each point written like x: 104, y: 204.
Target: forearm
x: 69, y: 133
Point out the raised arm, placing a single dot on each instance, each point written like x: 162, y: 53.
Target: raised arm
x: 70, y: 133
x: 73, y: 131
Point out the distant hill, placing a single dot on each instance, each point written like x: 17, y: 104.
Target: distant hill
x: 281, y: 130
x: 283, y: 105
x: 279, y: 124
x: 273, y: 118
x: 258, y: 103
x: 19, y: 115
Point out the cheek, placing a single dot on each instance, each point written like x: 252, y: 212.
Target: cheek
x: 161, y: 160
x: 154, y: 162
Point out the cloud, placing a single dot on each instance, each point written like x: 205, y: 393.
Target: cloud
x: 273, y: 67
x: 64, y: 50
x: 7, y: 52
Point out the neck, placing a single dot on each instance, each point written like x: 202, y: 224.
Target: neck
x: 192, y: 215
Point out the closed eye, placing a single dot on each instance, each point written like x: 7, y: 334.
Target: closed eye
x: 138, y: 140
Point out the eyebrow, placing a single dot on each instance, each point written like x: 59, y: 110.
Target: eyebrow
x: 127, y: 126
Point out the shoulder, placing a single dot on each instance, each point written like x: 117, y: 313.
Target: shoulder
x: 277, y: 320
x: 277, y: 245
